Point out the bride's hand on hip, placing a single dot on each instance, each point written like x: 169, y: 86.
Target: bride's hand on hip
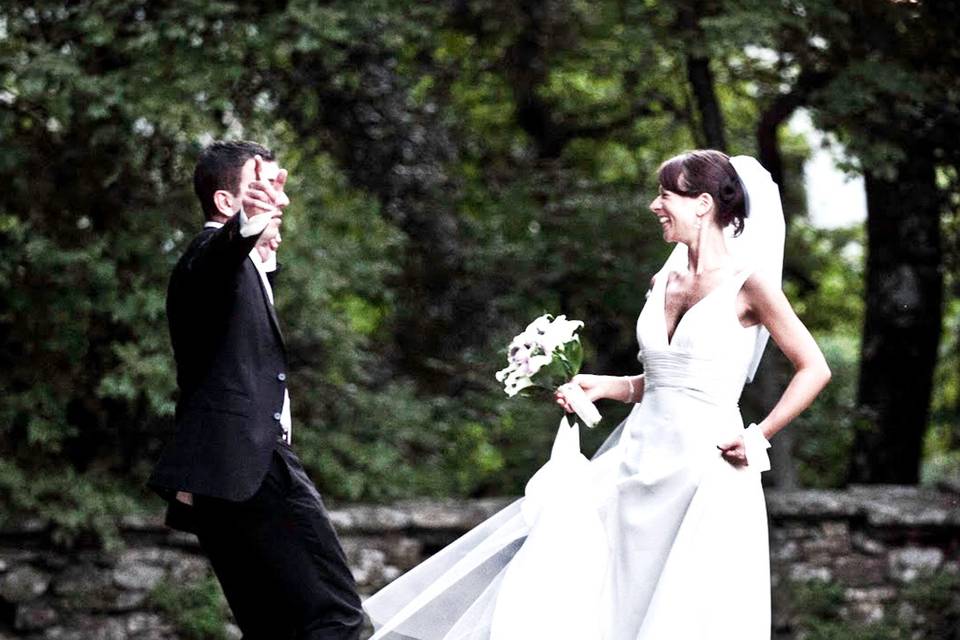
x: 596, y: 387
x: 734, y: 451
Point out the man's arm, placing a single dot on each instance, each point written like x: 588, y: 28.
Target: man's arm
x: 226, y: 249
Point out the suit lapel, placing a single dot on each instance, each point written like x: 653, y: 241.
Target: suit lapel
x: 266, y: 300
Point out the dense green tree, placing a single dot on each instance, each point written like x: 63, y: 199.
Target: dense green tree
x: 457, y: 168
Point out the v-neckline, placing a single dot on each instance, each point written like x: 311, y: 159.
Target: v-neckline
x: 663, y: 309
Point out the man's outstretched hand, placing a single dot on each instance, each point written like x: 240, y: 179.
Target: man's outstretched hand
x: 265, y: 196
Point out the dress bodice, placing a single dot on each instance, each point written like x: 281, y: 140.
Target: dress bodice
x: 710, y: 352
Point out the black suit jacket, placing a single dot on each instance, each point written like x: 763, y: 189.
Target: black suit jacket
x: 231, y: 370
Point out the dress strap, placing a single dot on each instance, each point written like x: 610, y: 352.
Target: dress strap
x: 740, y: 277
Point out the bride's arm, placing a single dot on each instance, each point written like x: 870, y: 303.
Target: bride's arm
x: 627, y: 389
x: 767, y: 304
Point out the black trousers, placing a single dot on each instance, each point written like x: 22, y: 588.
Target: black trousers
x: 278, y: 559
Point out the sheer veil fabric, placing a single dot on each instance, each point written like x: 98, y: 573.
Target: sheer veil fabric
x: 656, y: 536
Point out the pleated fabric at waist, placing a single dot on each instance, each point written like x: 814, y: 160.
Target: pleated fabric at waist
x: 714, y: 380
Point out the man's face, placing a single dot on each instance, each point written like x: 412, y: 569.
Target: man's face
x: 269, y: 170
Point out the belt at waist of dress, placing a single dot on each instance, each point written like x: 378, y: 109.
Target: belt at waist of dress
x: 714, y: 380
x: 720, y: 400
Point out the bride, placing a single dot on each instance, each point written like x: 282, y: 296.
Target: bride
x: 663, y: 534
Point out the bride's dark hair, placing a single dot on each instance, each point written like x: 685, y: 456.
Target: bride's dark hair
x: 707, y: 171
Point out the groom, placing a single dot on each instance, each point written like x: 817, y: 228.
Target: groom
x: 230, y: 474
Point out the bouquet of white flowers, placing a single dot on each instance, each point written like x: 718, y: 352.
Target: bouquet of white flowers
x: 547, y: 355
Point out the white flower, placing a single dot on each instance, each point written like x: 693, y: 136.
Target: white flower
x: 560, y: 332
x: 536, y: 363
x: 540, y: 325
x: 515, y: 385
x: 520, y: 354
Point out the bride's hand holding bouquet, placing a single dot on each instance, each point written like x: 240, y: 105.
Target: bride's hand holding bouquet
x: 547, y: 356
x: 625, y: 389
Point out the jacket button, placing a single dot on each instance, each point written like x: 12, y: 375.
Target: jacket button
x: 281, y: 376
x: 276, y: 416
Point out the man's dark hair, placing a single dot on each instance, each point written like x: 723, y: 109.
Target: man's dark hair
x: 218, y: 168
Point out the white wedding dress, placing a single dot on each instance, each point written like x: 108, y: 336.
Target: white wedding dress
x: 656, y: 538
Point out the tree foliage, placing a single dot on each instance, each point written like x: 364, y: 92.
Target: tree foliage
x: 457, y: 168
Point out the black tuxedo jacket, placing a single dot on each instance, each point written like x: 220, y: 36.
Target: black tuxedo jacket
x: 231, y: 370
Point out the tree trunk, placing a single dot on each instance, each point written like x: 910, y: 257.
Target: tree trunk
x: 708, y: 107
x: 903, y: 322
x: 699, y: 74
x: 400, y: 152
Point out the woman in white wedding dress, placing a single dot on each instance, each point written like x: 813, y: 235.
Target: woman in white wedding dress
x: 663, y: 534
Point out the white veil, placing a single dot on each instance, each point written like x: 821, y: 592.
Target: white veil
x: 760, y: 245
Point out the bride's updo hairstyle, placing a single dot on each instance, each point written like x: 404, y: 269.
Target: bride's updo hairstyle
x: 707, y: 171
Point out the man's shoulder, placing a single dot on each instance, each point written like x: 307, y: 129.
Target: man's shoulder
x: 198, y: 241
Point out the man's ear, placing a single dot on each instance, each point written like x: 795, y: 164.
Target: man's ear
x: 224, y: 201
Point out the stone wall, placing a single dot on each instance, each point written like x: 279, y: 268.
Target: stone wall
x: 881, y: 559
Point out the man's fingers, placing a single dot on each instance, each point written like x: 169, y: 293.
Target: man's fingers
x: 261, y: 186
x: 258, y: 195
x: 257, y: 165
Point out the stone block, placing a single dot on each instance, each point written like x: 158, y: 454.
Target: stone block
x: 374, y: 519
x: 189, y: 569
x: 906, y: 506
x: 136, y: 576
x: 80, y: 578
x: 864, y: 612
x: 183, y: 540
x: 147, y: 625
x: 144, y: 523
x: 371, y: 570
x: 785, y: 551
x: 906, y: 565
x: 156, y: 556
x: 13, y: 557
x: 400, y: 550
x: 23, y: 584
x: 832, y: 539
x: 54, y: 561
x: 803, y: 572
x: 20, y: 527
x: 90, y: 628
x: 452, y: 514
x: 877, y: 595
x: 860, y: 571
x: 865, y: 544
x: 110, y: 600
x: 34, y: 617
x: 811, y: 504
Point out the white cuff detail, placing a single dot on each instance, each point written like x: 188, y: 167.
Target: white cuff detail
x: 269, y: 264
x: 755, y: 446
x: 251, y: 226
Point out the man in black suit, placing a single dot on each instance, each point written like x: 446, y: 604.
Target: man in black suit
x: 230, y: 474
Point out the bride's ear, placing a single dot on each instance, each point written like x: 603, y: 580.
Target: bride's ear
x: 705, y: 204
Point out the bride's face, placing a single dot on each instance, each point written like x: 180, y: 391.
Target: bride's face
x: 677, y: 215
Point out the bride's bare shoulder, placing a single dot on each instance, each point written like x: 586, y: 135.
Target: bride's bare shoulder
x: 763, y: 295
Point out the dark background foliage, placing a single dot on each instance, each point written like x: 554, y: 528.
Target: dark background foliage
x: 457, y: 168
